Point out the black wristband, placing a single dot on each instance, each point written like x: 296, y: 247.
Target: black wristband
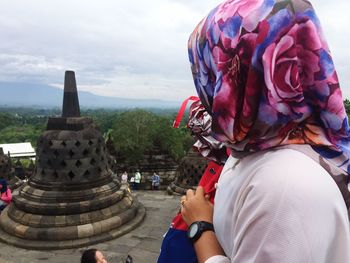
x: 196, y: 229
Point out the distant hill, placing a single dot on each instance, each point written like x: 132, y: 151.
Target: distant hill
x: 36, y: 95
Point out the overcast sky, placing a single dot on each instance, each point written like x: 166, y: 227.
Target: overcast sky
x: 125, y: 48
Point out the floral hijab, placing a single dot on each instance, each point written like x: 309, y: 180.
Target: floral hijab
x: 264, y: 73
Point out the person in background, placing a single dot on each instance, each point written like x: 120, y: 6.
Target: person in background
x: 155, y: 181
x: 6, y: 194
x: 124, y: 177
x: 132, y: 182
x: 92, y: 255
x: 264, y: 72
x: 137, y: 180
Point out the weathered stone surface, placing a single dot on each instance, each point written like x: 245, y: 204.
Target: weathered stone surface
x: 70, y: 97
x: 190, y: 171
x: 7, y: 172
x: 5, y: 165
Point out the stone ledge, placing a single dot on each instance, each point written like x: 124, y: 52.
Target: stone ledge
x: 44, y: 208
x: 66, y: 244
x: 35, y: 220
x: 53, y: 196
x: 76, y: 231
x: 176, y: 190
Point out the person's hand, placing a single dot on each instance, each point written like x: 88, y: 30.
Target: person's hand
x: 195, y: 206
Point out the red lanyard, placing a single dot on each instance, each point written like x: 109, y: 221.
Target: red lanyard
x: 181, y: 112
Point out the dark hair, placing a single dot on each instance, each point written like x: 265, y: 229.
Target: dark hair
x: 4, y: 185
x: 89, y: 256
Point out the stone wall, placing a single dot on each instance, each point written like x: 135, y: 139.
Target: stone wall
x: 155, y: 161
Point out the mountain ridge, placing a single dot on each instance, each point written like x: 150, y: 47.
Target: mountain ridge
x: 17, y: 94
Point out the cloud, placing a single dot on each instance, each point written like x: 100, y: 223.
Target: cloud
x: 24, y: 68
x: 335, y: 21
x: 133, y: 49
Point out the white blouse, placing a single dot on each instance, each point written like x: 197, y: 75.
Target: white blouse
x: 280, y: 207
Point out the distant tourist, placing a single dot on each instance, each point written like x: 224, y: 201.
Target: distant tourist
x: 124, y: 177
x: 137, y: 180
x: 129, y: 259
x: 132, y: 182
x: 155, y: 181
x: 93, y: 255
x: 6, y: 195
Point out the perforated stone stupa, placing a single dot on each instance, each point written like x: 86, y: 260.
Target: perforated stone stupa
x: 7, y: 172
x: 189, y: 172
x: 71, y: 199
x: 5, y: 166
x: 112, y: 153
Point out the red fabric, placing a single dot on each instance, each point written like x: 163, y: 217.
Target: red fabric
x: 209, y: 178
x: 181, y: 112
x: 7, y: 196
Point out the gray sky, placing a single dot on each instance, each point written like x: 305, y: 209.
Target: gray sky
x: 124, y: 48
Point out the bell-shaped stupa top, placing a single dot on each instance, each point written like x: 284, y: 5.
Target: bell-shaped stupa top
x: 70, y: 106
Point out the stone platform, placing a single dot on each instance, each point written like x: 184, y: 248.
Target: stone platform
x: 52, y: 232
x: 142, y: 243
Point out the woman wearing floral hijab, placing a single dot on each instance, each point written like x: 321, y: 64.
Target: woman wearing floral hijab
x: 263, y: 71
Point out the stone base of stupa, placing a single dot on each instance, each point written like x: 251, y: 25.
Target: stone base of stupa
x: 63, y: 231
x: 14, y: 183
x: 174, y: 189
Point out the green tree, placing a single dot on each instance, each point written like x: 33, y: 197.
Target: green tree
x: 347, y: 106
x: 6, y: 120
x: 24, y: 133
x: 138, y: 131
x: 103, y: 118
x: 133, y: 132
x: 176, y: 142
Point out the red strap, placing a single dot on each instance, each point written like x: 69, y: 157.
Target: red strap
x: 208, y: 180
x: 181, y: 112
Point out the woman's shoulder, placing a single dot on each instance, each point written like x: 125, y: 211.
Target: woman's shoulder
x: 291, y: 173
x: 284, y: 160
